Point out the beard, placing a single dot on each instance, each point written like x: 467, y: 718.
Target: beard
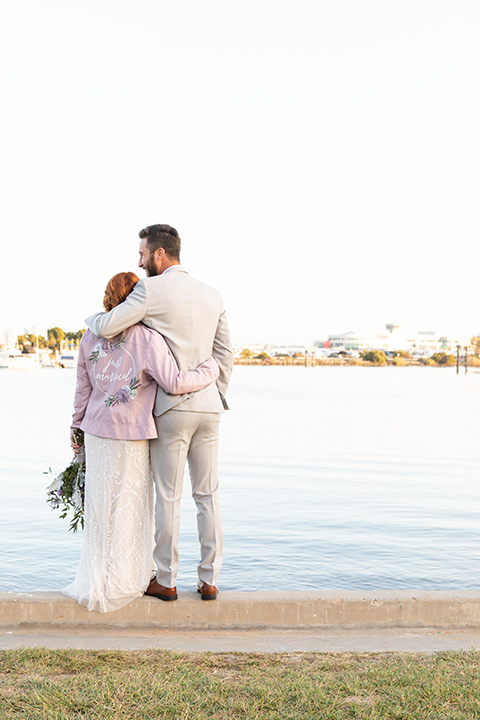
x: 150, y: 268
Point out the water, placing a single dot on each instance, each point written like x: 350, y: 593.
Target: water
x: 332, y: 477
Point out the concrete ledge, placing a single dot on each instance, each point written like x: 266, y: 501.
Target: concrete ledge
x: 248, y: 610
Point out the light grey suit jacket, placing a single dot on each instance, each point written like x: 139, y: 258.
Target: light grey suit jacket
x: 191, y: 317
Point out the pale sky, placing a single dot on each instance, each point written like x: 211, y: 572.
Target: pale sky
x: 319, y: 159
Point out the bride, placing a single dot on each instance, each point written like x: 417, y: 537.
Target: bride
x: 116, y: 386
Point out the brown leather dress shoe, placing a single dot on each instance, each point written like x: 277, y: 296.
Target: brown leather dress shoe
x: 160, y: 591
x: 208, y: 592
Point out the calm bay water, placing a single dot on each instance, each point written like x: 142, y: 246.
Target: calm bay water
x: 332, y: 477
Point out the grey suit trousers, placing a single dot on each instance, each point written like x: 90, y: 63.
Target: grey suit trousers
x: 192, y: 436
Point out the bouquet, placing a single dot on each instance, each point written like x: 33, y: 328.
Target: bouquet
x: 67, y: 492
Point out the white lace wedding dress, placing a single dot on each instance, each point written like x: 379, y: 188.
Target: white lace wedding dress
x: 116, y: 561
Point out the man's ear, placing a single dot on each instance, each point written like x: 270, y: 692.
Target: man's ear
x: 159, y: 253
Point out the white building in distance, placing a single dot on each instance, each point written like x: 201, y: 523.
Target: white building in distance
x: 425, y: 342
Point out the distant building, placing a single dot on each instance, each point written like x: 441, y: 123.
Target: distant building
x: 425, y: 342
x: 8, y: 337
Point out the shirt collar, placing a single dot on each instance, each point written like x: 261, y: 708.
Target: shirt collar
x: 174, y: 267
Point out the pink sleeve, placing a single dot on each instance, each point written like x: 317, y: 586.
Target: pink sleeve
x: 82, y: 391
x: 161, y: 366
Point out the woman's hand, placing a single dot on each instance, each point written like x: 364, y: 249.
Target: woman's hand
x: 75, y: 446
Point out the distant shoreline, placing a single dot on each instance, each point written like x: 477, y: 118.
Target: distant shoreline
x: 350, y: 362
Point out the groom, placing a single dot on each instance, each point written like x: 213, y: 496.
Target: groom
x: 191, y: 318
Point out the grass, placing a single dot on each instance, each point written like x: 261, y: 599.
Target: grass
x: 75, y: 684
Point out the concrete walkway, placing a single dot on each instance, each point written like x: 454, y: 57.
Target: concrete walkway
x: 251, y: 622
x: 426, y: 640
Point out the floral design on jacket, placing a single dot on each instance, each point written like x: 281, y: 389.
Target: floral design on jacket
x: 102, y: 349
x: 114, y: 371
x: 125, y: 394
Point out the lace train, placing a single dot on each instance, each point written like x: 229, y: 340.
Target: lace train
x: 116, y: 560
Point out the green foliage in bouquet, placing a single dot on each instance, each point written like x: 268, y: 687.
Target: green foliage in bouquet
x: 67, y: 492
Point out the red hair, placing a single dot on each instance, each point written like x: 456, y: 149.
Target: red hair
x: 118, y: 289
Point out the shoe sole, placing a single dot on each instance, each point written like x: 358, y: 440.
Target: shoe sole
x: 165, y: 598
x: 207, y: 597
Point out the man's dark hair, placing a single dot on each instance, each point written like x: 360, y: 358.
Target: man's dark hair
x: 162, y: 236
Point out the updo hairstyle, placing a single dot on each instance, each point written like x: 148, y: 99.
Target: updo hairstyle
x: 118, y: 289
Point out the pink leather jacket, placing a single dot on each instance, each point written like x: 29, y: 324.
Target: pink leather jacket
x: 117, y: 382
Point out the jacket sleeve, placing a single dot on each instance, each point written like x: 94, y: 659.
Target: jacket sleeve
x: 223, y: 354
x: 161, y: 366
x: 128, y: 313
x: 83, y: 390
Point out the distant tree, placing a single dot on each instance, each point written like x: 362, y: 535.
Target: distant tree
x: 475, y: 343
x: 428, y: 361
x: 57, y: 333
x: 441, y: 358
x: 77, y: 336
x: 53, y: 341
x: 246, y: 354
x: 55, y: 336
x: 263, y: 356
x: 27, y: 342
x: 375, y: 356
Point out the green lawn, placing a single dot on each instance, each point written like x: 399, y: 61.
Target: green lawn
x: 40, y: 683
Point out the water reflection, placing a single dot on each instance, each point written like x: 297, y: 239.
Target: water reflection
x: 331, y: 478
